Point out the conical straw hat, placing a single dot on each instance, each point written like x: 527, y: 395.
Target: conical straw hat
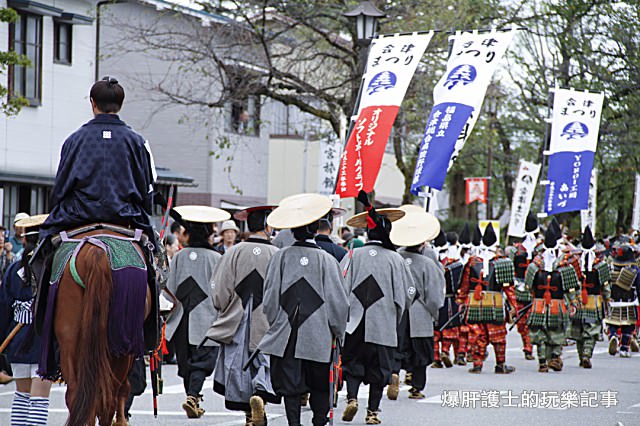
x: 202, y: 214
x: 31, y: 221
x: 299, y: 210
x: 416, y: 227
x: 360, y: 220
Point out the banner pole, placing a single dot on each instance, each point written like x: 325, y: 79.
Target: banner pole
x: 547, y: 138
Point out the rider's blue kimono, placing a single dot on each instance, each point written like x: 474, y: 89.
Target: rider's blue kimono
x: 106, y: 174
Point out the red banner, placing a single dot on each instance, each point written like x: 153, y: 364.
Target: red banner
x: 476, y: 190
x: 362, y: 157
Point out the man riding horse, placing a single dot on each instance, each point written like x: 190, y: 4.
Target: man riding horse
x: 102, y: 200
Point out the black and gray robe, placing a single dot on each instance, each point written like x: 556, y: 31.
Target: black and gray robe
x: 305, y: 303
x: 237, y: 294
x: 381, y: 288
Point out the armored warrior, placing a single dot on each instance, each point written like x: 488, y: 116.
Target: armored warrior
x: 189, y: 280
x: 521, y: 254
x: 305, y: 304
x: 237, y: 292
x: 486, y: 280
x: 625, y: 288
x: 553, y: 282
x: 428, y: 295
x: 586, y: 324
x: 447, y: 315
x: 381, y: 288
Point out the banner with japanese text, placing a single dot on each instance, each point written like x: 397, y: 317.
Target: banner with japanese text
x: 390, y: 67
x: 457, y: 100
x: 328, y: 163
x: 588, y: 216
x: 635, y: 223
x: 522, y: 197
x: 476, y: 190
x: 574, y: 138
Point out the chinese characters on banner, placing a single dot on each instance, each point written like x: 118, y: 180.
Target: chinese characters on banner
x: 522, y: 197
x: 329, y: 161
x: 476, y: 190
x: 588, y: 216
x: 391, y: 64
x: 635, y: 224
x: 574, y: 137
x: 459, y: 93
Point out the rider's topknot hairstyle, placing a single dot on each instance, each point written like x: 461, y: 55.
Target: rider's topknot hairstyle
x: 108, y: 95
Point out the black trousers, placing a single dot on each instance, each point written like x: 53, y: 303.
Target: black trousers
x: 291, y: 377
x: 421, y: 356
x: 138, y: 382
x: 366, y: 363
x: 195, y: 363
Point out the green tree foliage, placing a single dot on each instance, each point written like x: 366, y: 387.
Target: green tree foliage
x: 13, y: 104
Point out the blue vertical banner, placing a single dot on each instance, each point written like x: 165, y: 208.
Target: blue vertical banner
x: 457, y: 99
x: 574, y: 139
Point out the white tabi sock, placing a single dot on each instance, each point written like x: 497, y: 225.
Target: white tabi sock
x: 38, y: 411
x: 20, y: 409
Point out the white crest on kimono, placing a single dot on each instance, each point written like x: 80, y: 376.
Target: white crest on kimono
x: 408, y: 261
x: 411, y: 290
x: 304, y: 261
x: 372, y: 252
x: 257, y: 251
x: 193, y: 255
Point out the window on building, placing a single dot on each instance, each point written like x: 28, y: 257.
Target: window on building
x: 243, y: 117
x: 62, y: 38
x: 25, y: 38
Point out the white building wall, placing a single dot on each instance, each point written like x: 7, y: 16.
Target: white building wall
x: 182, y: 138
x: 30, y: 142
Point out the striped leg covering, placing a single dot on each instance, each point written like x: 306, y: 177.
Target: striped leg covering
x: 20, y: 409
x: 38, y: 411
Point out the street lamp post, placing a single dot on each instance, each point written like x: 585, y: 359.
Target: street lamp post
x: 366, y: 15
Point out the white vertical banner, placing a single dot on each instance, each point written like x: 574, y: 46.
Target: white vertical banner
x: 588, y: 216
x: 522, y: 197
x: 329, y: 161
x: 636, y: 205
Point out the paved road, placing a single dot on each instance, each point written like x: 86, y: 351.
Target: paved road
x: 613, y: 382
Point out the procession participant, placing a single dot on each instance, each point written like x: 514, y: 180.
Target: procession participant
x: 473, y: 252
x: 625, y: 291
x: 323, y: 238
x: 486, y: 280
x: 521, y: 255
x: 89, y: 189
x: 464, y: 354
x: 552, y: 280
x: 105, y: 175
x: 31, y: 398
x: 411, y: 232
x: 306, y: 306
x: 237, y: 294
x: 586, y: 323
x: 465, y: 243
x: 451, y: 334
x: 190, y: 281
x: 379, y: 282
x: 441, y: 249
x: 229, y: 233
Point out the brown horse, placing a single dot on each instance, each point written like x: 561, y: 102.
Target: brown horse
x: 97, y: 384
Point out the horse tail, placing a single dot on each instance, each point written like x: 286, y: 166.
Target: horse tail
x: 96, y: 380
